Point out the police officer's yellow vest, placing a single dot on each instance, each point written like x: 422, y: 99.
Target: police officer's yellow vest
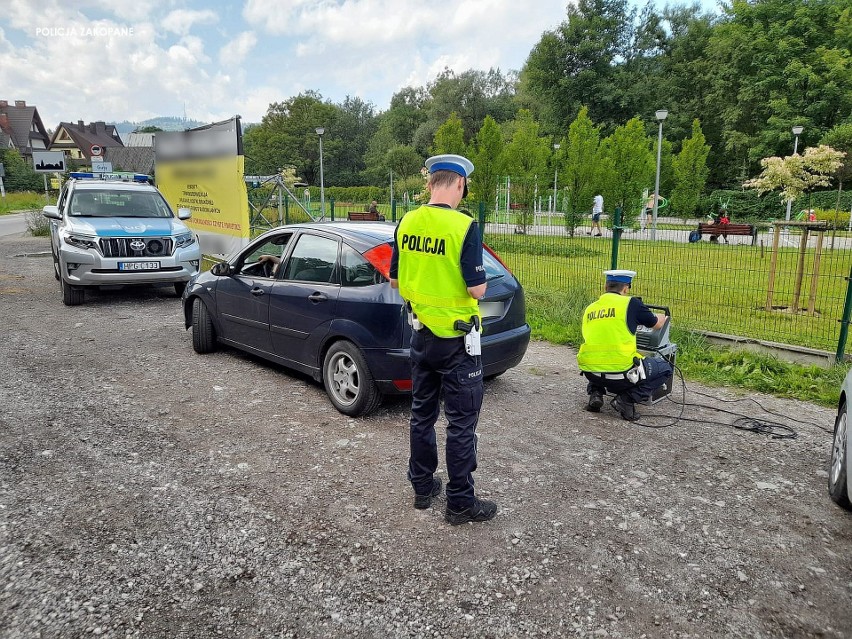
x: 429, y: 242
x: 608, y: 345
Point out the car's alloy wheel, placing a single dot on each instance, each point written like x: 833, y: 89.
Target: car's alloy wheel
x: 348, y: 381
x: 839, y: 451
x: 56, y: 272
x: 203, y: 331
x: 71, y: 295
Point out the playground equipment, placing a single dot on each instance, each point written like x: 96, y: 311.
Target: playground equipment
x: 807, y: 227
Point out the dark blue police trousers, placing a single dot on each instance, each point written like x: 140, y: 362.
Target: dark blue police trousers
x: 439, y: 363
x: 657, y: 372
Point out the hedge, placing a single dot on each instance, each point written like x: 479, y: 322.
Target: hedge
x: 748, y: 205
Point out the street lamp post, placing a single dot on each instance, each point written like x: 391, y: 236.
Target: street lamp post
x: 662, y: 114
x: 320, y: 130
x: 555, y: 174
x: 797, y: 131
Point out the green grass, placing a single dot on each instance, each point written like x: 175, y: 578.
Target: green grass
x: 23, y: 201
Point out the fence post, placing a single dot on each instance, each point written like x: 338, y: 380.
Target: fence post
x: 331, y: 200
x: 844, y: 321
x: 286, y: 209
x: 481, y: 221
x: 393, y: 210
x: 616, y: 236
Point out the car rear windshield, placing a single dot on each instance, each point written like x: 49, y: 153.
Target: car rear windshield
x: 493, y: 268
x: 106, y: 203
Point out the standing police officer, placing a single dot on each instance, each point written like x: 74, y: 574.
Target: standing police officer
x: 437, y: 266
x: 608, y: 356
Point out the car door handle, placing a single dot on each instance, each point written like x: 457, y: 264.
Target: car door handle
x: 317, y: 297
x: 257, y: 291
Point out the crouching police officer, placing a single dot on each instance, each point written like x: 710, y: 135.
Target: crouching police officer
x: 608, y: 356
x: 437, y: 266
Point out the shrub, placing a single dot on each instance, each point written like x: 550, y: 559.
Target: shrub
x: 37, y: 224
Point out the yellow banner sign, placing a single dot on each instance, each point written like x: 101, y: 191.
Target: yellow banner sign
x: 215, y: 191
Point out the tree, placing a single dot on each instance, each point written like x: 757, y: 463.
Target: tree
x: 449, y: 138
x: 575, y: 64
x: 797, y: 174
x: 690, y: 170
x: 580, y: 165
x: 627, y: 167
x: 287, y: 137
x: 526, y: 162
x: 403, y: 160
x: 147, y: 129
x: 20, y: 176
x: 840, y: 138
x: 780, y: 63
x: 486, y: 153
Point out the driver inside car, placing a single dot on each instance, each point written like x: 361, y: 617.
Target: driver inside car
x: 270, y: 259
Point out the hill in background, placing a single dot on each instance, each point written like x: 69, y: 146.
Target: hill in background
x: 165, y: 123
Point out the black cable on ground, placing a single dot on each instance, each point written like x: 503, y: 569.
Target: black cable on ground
x: 776, y: 430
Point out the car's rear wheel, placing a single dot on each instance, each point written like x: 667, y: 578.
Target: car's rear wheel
x: 348, y: 381
x: 837, y: 488
x: 71, y: 295
x: 203, y: 331
x: 180, y: 287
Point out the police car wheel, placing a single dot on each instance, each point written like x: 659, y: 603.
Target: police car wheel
x: 837, y: 478
x: 71, y: 295
x: 348, y: 381
x: 203, y: 331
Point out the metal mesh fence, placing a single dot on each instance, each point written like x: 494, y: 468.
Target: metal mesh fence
x: 788, y: 286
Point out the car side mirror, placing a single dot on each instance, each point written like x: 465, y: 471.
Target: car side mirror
x: 222, y: 268
x: 184, y: 214
x: 51, y: 212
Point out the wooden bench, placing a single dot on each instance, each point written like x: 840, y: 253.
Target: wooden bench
x: 715, y: 230
x: 365, y: 216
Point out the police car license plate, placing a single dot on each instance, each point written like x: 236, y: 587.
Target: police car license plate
x: 138, y: 266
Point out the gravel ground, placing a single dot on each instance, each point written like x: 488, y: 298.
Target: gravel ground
x: 147, y: 491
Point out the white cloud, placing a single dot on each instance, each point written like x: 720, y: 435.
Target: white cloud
x: 276, y: 49
x: 235, y: 51
x: 181, y: 21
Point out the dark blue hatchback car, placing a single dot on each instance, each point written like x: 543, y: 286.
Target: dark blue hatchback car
x: 316, y: 298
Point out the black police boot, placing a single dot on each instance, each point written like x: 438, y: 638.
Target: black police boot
x: 422, y: 502
x: 626, y: 408
x: 595, y: 401
x: 479, y: 510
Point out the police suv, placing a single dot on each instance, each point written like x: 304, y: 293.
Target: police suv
x: 115, y: 229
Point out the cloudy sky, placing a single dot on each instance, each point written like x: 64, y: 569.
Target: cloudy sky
x: 136, y: 59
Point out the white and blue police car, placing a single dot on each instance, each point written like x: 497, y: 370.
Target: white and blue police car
x: 117, y: 229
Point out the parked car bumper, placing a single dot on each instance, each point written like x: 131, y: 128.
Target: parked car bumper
x: 85, y: 268
x: 392, y: 368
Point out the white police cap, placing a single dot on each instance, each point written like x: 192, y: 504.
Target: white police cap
x: 449, y: 162
x: 620, y: 275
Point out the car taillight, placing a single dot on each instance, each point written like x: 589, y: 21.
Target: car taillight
x: 496, y: 257
x: 380, y: 257
x: 402, y: 384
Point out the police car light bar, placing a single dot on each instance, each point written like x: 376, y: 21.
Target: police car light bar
x: 121, y: 176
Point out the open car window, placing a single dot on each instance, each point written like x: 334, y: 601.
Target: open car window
x: 255, y: 264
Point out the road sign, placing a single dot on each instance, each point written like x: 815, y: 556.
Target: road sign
x: 96, y: 150
x: 101, y: 167
x: 49, y: 161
